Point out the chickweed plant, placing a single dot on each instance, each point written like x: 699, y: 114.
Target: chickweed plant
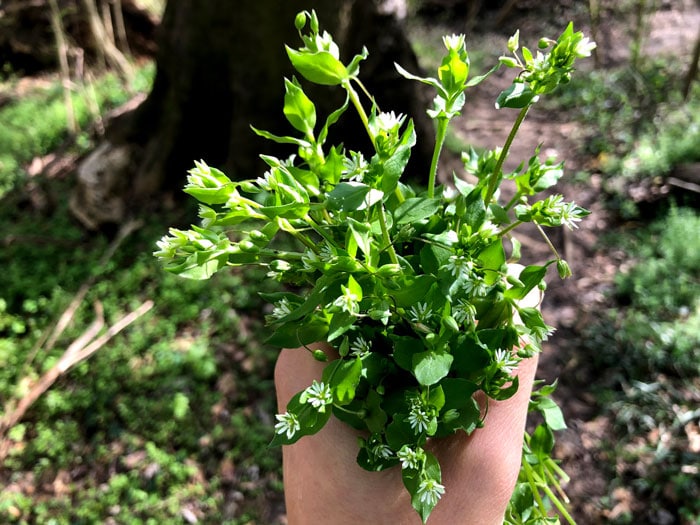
x: 412, y: 287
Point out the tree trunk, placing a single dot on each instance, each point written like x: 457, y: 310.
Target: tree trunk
x: 220, y: 68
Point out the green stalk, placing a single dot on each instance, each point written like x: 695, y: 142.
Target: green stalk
x: 533, y: 487
x: 354, y: 97
x: 440, y: 135
x: 385, y: 235
x: 546, y: 240
x: 509, y: 228
x: 496, y: 175
x: 315, y: 227
x: 558, y: 504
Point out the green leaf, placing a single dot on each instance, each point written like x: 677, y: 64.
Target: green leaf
x: 475, y: 213
x: 431, y: 366
x: 320, y: 67
x: 298, y: 108
x: 295, y: 335
x: 375, y: 417
x: 340, y: 323
x: 353, y: 196
x: 480, y: 78
x: 343, y: 376
x: 404, y: 348
x: 362, y: 235
x: 470, y: 358
x: 416, y: 209
x: 281, y: 140
x: 493, y: 257
x: 425, y: 80
x: 542, y: 442
x: 394, y: 166
x: 532, y: 318
x: 436, y: 399
x: 412, y: 289
x: 218, y: 195
x: 517, y: 96
x: 332, y: 119
x: 530, y: 276
x: 460, y: 411
x: 553, y: 416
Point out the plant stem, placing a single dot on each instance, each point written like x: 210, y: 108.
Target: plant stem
x: 385, y: 235
x: 496, y: 175
x: 534, y: 486
x: 440, y: 134
x: 358, y: 107
x: 558, y: 504
x: 509, y: 228
x: 549, y: 243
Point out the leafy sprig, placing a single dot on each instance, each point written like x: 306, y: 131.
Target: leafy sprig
x: 412, y: 288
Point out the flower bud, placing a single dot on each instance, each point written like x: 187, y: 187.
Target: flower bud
x: 248, y: 247
x: 257, y: 235
x: 389, y: 270
x: 300, y: 20
x: 319, y: 355
x: 563, y: 269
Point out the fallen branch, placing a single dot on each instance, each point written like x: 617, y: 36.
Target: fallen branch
x: 78, y: 351
x: 126, y: 229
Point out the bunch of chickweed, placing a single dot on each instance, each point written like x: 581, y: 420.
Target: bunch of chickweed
x: 412, y: 287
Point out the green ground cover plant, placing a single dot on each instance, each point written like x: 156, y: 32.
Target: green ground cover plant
x: 23, y: 135
x: 412, y: 286
x: 648, y: 346
x: 140, y: 414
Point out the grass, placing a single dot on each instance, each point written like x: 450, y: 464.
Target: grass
x: 23, y: 136
x: 648, y: 346
x: 155, y: 413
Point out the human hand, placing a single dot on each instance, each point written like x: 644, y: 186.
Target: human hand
x: 325, y: 485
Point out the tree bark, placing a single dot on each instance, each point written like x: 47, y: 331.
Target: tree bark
x: 220, y: 68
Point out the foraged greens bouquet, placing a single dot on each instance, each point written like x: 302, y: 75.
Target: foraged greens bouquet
x: 411, y: 286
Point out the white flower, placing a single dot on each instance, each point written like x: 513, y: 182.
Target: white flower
x: 453, y: 42
x: 506, y: 361
x: 409, y: 458
x: 388, y: 122
x: 317, y: 395
x: 348, y: 302
x: 418, y: 417
x: 355, y: 167
x: 430, y: 491
x: 584, y: 47
x: 570, y: 215
x: 282, y: 309
x: 464, y: 312
x: 288, y: 424
x: 420, y: 313
x: 265, y: 182
x: 488, y: 230
x: 382, y: 451
x: 459, y: 266
x: 360, y: 347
